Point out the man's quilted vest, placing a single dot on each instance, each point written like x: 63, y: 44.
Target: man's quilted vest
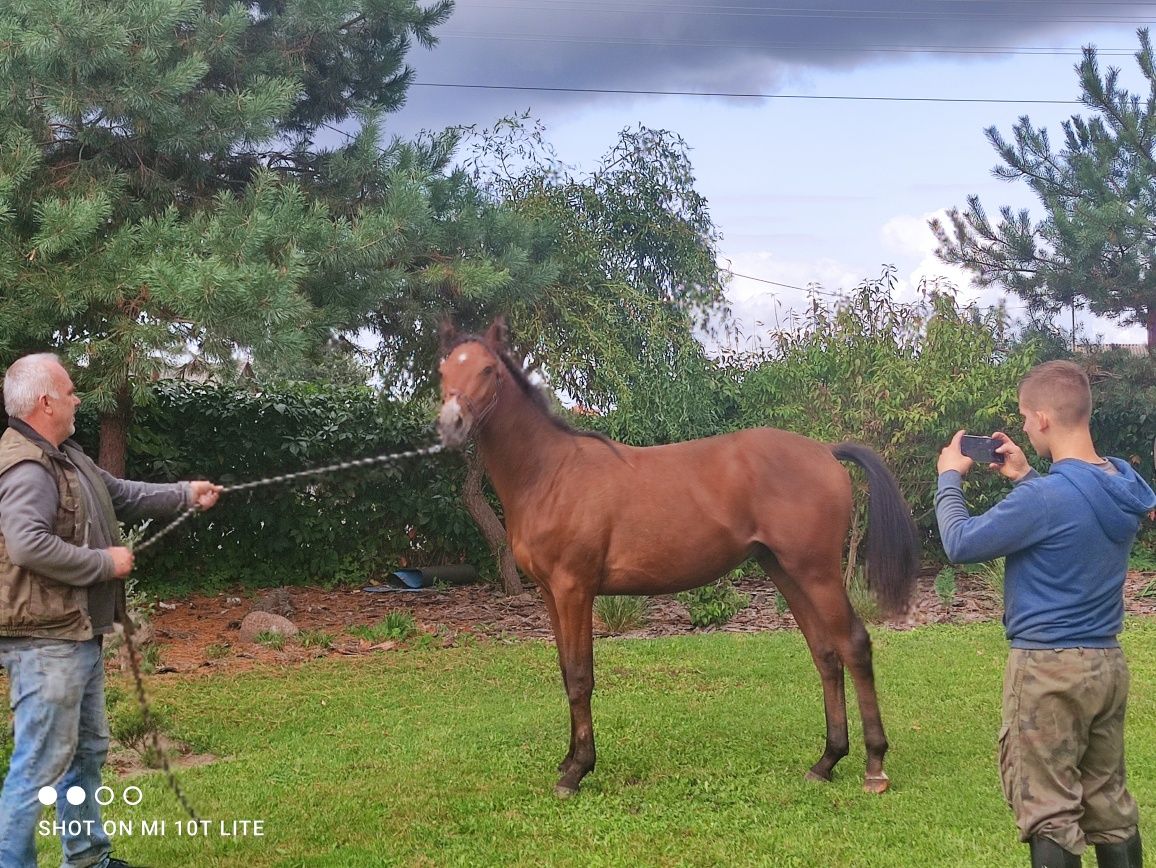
x: 31, y: 604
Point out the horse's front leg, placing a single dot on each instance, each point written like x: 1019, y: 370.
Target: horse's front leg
x: 552, y: 611
x: 575, y: 638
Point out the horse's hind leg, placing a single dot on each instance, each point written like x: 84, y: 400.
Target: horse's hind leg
x: 850, y: 637
x: 827, y: 661
x: 863, y: 673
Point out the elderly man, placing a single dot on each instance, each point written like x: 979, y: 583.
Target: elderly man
x: 61, y: 565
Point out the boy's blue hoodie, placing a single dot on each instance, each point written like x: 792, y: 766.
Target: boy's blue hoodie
x: 1066, y: 536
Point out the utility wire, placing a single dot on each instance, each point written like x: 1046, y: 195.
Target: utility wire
x: 1023, y: 51
x: 740, y: 95
x: 816, y: 291
x: 997, y: 13
x: 974, y: 4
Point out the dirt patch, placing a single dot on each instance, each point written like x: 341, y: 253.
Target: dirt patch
x: 200, y: 633
x: 127, y: 762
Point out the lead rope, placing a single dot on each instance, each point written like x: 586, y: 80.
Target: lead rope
x: 286, y: 477
x: 130, y: 630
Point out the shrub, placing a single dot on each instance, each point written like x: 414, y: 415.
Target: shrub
x: 619, y: 614
x: 1124, y: 415
x: 862, y: 600
x: 271, y: 639
x: 989, y: 574
x: 713, y: 605
x: 945, y: 585
x: 315, y: 639
x: 128, y: 725
x: 1143, y: 557
x: 395, y: 627
x: 781, y: 605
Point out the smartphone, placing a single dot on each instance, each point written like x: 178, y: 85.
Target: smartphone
x: 981, y: 449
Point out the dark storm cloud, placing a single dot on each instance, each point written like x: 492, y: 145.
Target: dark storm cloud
x: 715, y: 45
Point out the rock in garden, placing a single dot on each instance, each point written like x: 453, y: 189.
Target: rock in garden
x: 256, y: 623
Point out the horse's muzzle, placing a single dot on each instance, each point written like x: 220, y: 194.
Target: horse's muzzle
x: 453, y: 425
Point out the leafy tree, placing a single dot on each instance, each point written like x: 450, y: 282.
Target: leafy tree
x: 629, y: 255
x: 1097, y: 240
x: 162, y: 191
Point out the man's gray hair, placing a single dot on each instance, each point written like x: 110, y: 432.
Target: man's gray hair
x: 28, y: 378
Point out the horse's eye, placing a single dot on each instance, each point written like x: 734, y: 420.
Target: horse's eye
x: 488, y: 369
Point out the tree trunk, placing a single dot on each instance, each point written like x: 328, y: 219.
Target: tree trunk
x: 490, y: 525
x: 114, y: 433
x: 1151, y: 324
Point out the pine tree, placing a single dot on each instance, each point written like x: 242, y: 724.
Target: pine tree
x: 162, y: 192
x: 1096, y: 242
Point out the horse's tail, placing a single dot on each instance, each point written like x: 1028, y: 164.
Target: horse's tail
x: 892, y: 559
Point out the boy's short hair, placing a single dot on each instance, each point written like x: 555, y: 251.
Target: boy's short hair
x: 1061, y: 388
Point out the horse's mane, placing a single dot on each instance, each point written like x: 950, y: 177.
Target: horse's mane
x: 533, y: 392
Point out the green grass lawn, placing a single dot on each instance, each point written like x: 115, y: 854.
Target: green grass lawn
x: 447, y: 757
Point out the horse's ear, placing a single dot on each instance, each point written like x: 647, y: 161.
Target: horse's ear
x: 447, y: 331
x: 498, y: 333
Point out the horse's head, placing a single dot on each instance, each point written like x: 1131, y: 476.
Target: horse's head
x: 471, y: 373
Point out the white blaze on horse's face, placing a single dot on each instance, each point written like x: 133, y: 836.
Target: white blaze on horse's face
x: 469, y: 391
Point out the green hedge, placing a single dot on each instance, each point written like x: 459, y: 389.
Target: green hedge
x: 1124, y: 418
x: 343, y: 527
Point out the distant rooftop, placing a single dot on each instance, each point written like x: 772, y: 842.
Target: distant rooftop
x: 1139, y: 350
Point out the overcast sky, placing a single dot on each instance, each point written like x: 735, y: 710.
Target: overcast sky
x: 805, y: 189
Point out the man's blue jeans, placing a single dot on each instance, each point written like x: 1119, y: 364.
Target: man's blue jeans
x: 57, y: 696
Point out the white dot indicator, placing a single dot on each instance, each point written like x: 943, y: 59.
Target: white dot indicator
x: 47, y: 795
x: 75, y: 795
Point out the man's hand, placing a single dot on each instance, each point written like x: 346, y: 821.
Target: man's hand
x: 205, y: 494
x: 951, y: 458
x: 1015, y: 464
x: 121, y: 561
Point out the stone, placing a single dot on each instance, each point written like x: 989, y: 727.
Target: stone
x: 256, y: 623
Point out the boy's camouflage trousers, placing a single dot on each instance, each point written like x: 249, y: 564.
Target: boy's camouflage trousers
x: 1061, y: 746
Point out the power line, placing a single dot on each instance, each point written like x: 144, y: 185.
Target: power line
x: 998, y: 13
x: 1126, y: 4
x: 739, y: 95
x: 764, y: 280
x: 816, y: 291
x: 1023, y: 51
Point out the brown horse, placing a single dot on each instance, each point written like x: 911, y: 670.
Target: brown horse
x: 586, y: 516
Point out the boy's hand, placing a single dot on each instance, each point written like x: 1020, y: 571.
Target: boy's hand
x: 1015, y: 464
x: 951, y: 458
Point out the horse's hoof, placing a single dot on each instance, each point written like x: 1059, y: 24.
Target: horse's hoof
x: 812, y: 775
x: 564, y: 792
x: 876, y: 783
